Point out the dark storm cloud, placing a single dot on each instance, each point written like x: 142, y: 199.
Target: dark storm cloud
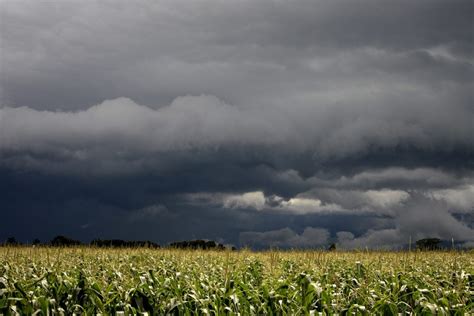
x: 269, y: 123
x: 71, y: 55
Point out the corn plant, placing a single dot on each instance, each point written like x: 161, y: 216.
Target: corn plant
x: 65, y: 281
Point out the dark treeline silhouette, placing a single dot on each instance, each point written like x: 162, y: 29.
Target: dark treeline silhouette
x: 428, y: 244
x: 64, y: 241
x: 118, y: 243
x: 198, y: 244
x: 11, y: 241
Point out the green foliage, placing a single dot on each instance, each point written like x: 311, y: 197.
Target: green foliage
x: 46, y: 281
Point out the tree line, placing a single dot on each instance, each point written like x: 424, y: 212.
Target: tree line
x: 199, y: 244
x: 63, y: 241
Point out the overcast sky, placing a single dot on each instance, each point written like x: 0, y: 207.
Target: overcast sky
x: 258, y: 123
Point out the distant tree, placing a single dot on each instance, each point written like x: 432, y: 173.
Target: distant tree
x: 118, y: 243
x: 428, y: 244
x: 64, y: 241
x: 332, y: 247
x: 36, y: 242
x: 197, y: 244
x: 11, y: 241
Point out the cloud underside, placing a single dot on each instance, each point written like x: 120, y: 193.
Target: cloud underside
x: 121, y: 131
x: 265, y: 124
x: 415, y: 219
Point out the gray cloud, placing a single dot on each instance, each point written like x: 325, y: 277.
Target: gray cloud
x: 71, y: 55
x: 459, y: 199
x: 120, y: 130
x: 151, y: 212
x: 420, y: 218
x: 397, y: 177
x: 286, y: 238
x: 233, y: 120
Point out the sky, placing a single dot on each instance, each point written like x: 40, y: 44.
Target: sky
x: 290, y: 124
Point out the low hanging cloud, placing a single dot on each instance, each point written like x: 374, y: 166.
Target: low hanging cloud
x: 403, y: 215
x: 421, y: 217
x: 259, y: 202
x: 380, y: 201
x: 286, y: 238
x: 356, y: 202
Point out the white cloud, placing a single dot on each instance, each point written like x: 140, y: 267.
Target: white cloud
x: 340, y: 201
x: 255, y: 200
x: 322, y: 200
x: 305, y: 206
x: 258, y: 201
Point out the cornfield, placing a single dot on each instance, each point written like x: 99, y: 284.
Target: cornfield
x: 56, y: 281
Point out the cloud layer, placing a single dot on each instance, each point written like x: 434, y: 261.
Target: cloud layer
x: 120, y: 129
